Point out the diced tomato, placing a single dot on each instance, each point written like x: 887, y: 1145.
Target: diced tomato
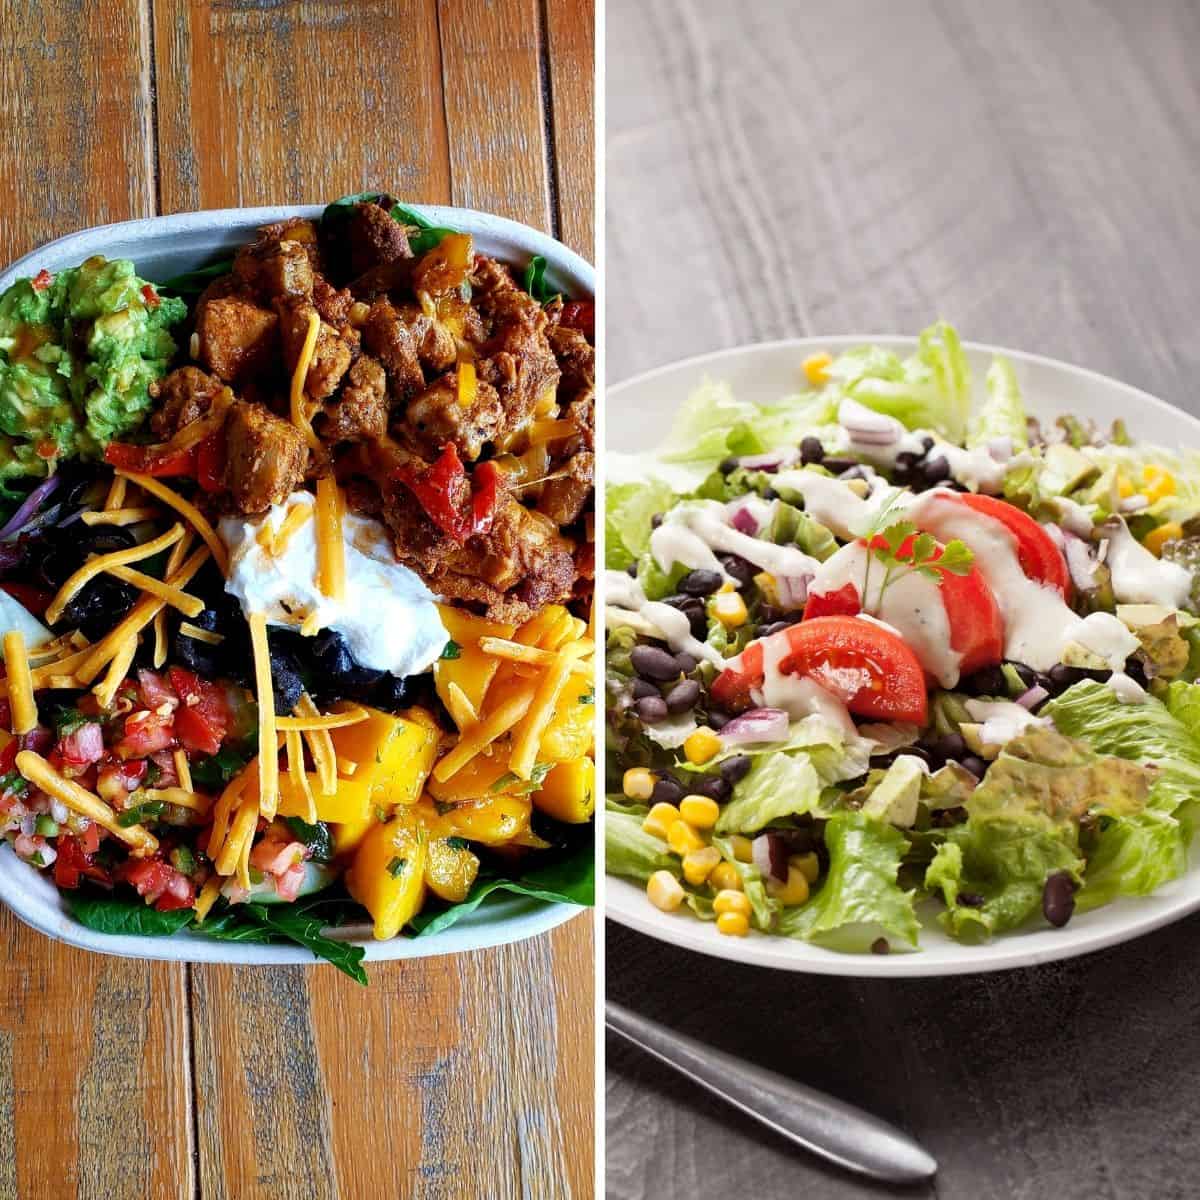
x: 83, y: 746
x: 866, y: 666
x: 132, y: 773
x: 89, y: 838
x: 74, y: 861
x: 210, y: 462
x: 1039, y: 557
x: 33, y: 599
x: 155, y: 691
x: 41, y: 281
x: 581, y: 315
x: 180, y: 892
x: 202, y: 720
x: 150, y: 296
x: 976, y: 627
x: 275, y: 855
x: 158, y: 883
x: 157, y: 461
x: 145, y: 732
x: 288, y: 884
x: 164, y: 760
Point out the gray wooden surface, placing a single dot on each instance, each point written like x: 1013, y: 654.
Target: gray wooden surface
x: 1031, y: 171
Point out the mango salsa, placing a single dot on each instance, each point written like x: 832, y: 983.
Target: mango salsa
x: 394, y: 753
x: 472, y: 670
x: 450, y: 869
x: 569, y: 792
x: 475, y: 781
x: 490, y: 822
x: 572, y: 728
x: 387, y: 876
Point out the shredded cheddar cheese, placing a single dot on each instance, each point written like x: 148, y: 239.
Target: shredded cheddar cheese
x: 200, y: 635
x: 20, y: 683
x: 299, y: 409
x: 183, y: 770
x: 461, y: 710
x: 320, y: 746
x: 103, y: 562
x: 529, y: 736
x: 338, y: 720
x: 268, y: 768
x: 119, y: 516
x: 331, y: 550
x: 240, y: 830
x: 207, y: 898
x: 346, y: 767
x: 180, y: 796
x: 118, y: 668
x: 311, y: 625
x: 298, y: 516
x: 190, y: 606
x: 475, y: 740
x: 187, y: 510
x: 227, y: 803
x: 533, y: 655
x: 116, y: 494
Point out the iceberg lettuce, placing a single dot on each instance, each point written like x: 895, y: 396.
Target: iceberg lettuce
x: 1002, y: 415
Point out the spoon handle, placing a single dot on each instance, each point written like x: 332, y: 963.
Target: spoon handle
x: 822, y: 1124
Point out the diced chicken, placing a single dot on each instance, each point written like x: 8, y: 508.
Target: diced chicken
x: 565, y: 496
x: 390, y: 341
x: 332, y: 355
x: 375, y: 239
x: 184, y: 396
x: 237, y: 338
x: 436, y: 417
x: 265, y: 457
x: 281, y: 261
x: 360, y: 412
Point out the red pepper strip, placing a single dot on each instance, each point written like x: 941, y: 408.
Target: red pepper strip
x: 42, y: 280
x: 483, y: 500
x: 581, y: 315
x: 150, y: 296
x: 435, y: 488
x: 151, y: 460
x: 210, y: 462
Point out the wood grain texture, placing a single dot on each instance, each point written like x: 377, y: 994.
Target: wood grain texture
x: 570, y: 54
x: 1028, y: 171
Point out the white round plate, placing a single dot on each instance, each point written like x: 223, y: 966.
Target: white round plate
x: 162, y: 247
x: 639, y: 414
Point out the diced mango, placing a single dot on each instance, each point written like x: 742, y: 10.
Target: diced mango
x: 475, y: 781
x: 569, y: 791
x: 350, y: 804
x: 572, y: 728
x: 450, y: 869
x: 395, y: 754
x: 472, y: 670
x: 348, y: 835
x: 490, y: 822
x: 387, y: 876
x: 544, y: 629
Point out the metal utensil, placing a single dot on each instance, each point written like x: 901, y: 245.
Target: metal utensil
x: 831, y: 1128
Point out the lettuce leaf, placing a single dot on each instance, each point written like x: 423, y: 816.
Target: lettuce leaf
x: 630, y: 851
x: 859, y: 901
x: 1002, y: 415
x: 1133, y: 857
x: 630, y: 507
x: 778, y: 786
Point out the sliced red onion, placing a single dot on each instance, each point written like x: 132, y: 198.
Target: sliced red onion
x: 33, y: 502
x: 1033, y: 697
x: 757, y: 725
x: 743, y: 521
x: 772, y: 460
x: 760, y: 854
x: 1055, y: 532
x: 868, y: 427
x: 792, y: 590
x: 1080, y: 563
x: 769, y: 853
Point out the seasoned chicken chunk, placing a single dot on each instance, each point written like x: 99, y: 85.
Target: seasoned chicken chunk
x: 265, y: 457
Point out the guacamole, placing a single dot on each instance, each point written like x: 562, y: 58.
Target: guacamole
x: 78, y: 352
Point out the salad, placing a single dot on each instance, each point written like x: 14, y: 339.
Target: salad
x: 295, y: 585
x: 886, y: 652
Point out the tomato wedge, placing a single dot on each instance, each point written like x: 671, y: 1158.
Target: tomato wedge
x: 866, y: 666
x: 976, y: 627
x: 1039, y: 557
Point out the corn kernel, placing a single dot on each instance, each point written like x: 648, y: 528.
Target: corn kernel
x: 733, y: 924
x: 700, y: 812
x: 698, y: 864
x: 637, y: 783
x: 660, y: 819
x: 1157, y: 538
x: 1124, y: 487
x: 816, y: 367
x: 725, y: 878
x: 728, y: 900
x: 683, y: 839
x: 701, y: 746
x: 794, y: 891
x: 743, y: 848
x: 730, y: 609
x: 664, y: 891
x: 1157, y: 483
x: 766, y: 585
x: 809, y: 865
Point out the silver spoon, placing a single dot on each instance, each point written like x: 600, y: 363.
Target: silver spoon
x: 831, y: 1128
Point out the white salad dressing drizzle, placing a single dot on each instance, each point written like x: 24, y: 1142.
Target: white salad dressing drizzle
x: 1137, y: 576
x: 911, y: 605
x: 627, y: 605
x: 798, y: 696
x: 1002, y: 720
x: 831, y: 501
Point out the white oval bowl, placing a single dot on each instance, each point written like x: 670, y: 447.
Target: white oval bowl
x: 161, y: 247
x: 639, y: 412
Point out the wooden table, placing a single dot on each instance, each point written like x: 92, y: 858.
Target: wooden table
x: 448, y: 1078
x: 1029, y: 171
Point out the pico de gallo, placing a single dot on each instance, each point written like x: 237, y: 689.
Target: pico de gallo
x: 894, y: 647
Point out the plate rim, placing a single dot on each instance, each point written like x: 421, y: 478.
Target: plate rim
x: 532, y: 916
x: 1003, y: 953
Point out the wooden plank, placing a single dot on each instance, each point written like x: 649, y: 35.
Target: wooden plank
x: 75, y: 106
x: 491, y: 64
x: 570, y: 32
x: 94, y: 1077
x: 298, y: 102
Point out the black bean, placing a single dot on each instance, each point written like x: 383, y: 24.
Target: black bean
x: 776, y: 627
x: 717, y: 719
x: 811, y: 451
x: 641, y: 688
x: 693, y: 609
x: 714, y: 787
x: 970, y: 899
x: 975, y: 765
x: 652, y: 663
x: 394, y: 692
x: 631, y: 570
x: 738, y: 567
x: 935, y: 470
x: 951, y: 746
x: 336, y: 670
x: 700, y: 583
x: 835, y: 466
x: 907, y: 459
x: 1058, y: 899
x: 880, y: 946
x: 1136, y: 670
x: 988, y: 682
x: 768, y: 614
x: 285, y: 677
x: 928, y: 443
x: 735, y: 769
x: 727, y: 466
x: 770, y: 494
x: 1062, y: 677
x: 99, y: 606
x: 651, y: 709
x: 683, y: 696
x: 686, y: 662
x: 667, y: 790
x: 656, y: 520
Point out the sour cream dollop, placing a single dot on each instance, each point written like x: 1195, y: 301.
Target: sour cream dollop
x: 388, y: 616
